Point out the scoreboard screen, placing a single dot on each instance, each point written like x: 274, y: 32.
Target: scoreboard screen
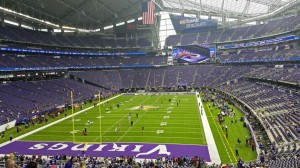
x: 190, y: 54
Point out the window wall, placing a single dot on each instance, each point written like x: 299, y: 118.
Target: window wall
x: 166, y: 28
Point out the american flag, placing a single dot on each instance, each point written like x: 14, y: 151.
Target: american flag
x: 148, y: 9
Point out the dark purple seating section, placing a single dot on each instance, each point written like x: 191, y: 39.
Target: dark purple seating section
x: 267, y: 53
x: 170, y: 76
x: 26, y: 35
x: 285, y: 162
x: 231, y: 34
x: 13, y: 61
x: 289, y: 74
x: 21, y: 99
x: 192, y: 75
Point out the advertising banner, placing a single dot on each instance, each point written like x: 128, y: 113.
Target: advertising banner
x: 7, y: 125
x: 184, y: 23
x: 212, y: 53
x: 71, y: 53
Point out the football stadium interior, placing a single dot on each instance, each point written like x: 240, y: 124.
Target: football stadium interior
x: 150, y: 83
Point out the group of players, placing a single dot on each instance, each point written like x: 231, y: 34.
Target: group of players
x: 84, y: 131
x: 118, y: 127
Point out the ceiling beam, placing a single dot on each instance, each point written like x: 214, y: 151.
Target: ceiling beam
x: 269, y: 2
x: 223, y: 14
x: 222, y: 6
x: 246, y: 8
x: 159, y: 4
x: 276, y: 12
x: 77, y: 10
x: 127, y: 14
x: 129, y: 2
x: 48, y: 15
x: 206, y: 9
x: 111, y: 11
x: 201, y: 9
x: 69, y: 6
x: 193, y: 5
x: 182, y: 7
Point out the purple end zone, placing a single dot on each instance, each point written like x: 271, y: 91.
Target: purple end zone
x: 139, y: 150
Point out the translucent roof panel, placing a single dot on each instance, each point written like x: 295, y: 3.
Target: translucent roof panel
x: 246, y: 7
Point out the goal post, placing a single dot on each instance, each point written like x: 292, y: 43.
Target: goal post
x: 81, y: 122
x: 73, y: 120
x: 100, y: 116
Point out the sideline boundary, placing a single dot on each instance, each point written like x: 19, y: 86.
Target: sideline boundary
x: 55, y: 122
x: 211, y: 144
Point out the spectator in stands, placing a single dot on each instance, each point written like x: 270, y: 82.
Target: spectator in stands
x: 32, y: 165
x: 69, y: 163
x: 240, y: 163
x: 262, y: 159
x: 10, y: 163
x: 82, y: 164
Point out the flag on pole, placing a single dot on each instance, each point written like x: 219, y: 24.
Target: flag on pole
x: 148, y: 9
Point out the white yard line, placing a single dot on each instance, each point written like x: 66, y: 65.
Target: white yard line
x: 126, y: 136
x: 137, y: 119
x: 113, y: 126
x: 53, y: 123
x: 195, y: 132
x: 211, y: 144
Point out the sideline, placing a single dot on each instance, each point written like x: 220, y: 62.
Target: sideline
x: 55, y: 122
x: 211, y: 144
x: 222, y: 135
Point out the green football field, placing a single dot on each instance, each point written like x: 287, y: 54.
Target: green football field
x: 163, y: 122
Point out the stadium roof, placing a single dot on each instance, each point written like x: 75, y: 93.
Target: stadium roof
x: 95, y: 14
x: 77, y: 13
x: 230, y: 8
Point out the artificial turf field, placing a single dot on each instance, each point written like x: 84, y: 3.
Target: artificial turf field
x: 167, y: 124
x: 163, y: 122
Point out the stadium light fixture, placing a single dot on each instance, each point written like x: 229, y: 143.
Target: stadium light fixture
x: 119, y: 24
x: 69, y: 31
x: 68, y: 28
x: 11, y: 22
x: 57, y: 30
x: 108, y: 27
x: 26, y: 26
x: 55, y: 26
x: 96, y: 30
x: 9, y: 11
x: 131, y: 21
x: 5, y: 10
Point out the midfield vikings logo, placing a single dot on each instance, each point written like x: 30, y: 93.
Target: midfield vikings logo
x: 141, y: 107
